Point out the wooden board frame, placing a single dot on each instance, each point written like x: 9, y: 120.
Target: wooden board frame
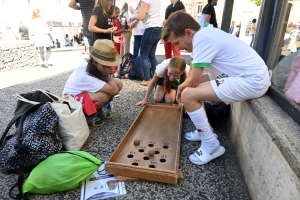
x: 172, y: 174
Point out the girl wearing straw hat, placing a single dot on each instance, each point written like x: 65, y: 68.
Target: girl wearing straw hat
x: 92, y: 84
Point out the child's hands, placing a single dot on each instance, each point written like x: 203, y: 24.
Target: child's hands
x: 178, y: 96
x: 141, y: 103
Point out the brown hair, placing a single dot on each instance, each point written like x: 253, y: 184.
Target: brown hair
x: 177, y: 63
x: 177, y: 23
x: 35, y: 14
x: 92, y: 70
x: 106, y: 11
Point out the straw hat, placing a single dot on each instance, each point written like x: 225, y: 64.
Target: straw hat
x: 104, y: 52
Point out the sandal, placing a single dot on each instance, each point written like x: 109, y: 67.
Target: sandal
x: 200, y: 157
x: 195, y: 136
x: 94, y: 121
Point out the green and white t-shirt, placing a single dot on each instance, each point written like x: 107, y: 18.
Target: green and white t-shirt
x: 224, y: 55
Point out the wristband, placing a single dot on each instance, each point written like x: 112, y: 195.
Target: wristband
x: 105, y: 31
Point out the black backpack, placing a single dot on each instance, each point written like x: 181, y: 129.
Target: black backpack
x: 125, y: 66
x: 216, y: 111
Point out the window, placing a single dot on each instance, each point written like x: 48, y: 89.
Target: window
x: 284, y: 57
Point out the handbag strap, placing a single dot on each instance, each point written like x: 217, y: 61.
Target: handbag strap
x: 18, y: 149
x: 4, y: 138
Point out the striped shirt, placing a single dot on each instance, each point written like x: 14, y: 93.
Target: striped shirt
x: 86, y: 7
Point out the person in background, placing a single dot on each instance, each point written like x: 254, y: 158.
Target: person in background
x: 137, y: 31
x: 81, y: 35
x: 253, y: 30
x: 117, y: 33
x: 9, y: 34
x: 124, y: 17
x: 169, y: 48
x: 40, y: 33
x: 101, y: 22
x: 57, y: 44
x: 23, y: 31
x: 231, y: 30
x: 75, y: 44
x: 68, y: 43
x: 92, y: 84
x: 150, y: 14
x: 86, y: 7
x: 210, y: 13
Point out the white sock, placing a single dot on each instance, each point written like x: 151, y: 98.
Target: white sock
x: 209, y: 141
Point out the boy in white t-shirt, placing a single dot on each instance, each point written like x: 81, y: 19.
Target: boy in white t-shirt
x: 239, y: 72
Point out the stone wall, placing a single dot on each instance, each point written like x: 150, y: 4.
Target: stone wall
x: 18, y: 54
x: 267, y: 142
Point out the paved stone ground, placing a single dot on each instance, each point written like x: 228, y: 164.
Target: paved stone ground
x: 220, y: 179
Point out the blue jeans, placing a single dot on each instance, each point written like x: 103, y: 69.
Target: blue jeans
x: 137, y: 45
x: 148, y: 47
x: 252, y: 40
x: 89, y: 35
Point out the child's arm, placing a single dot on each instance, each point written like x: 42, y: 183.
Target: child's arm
x: 150, y: 89
x: 110, y: 87
x: 119, y: 31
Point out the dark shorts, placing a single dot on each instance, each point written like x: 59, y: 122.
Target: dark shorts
x: 161, y: 83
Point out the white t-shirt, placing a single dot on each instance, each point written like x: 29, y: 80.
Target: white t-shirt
x: 139, y: 28
x: 154, y: 13
x: 160, y: 68
x: 253, y: 28
x: 80, y: 81
x: 224, y: 55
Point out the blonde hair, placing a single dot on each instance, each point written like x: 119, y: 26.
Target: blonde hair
x: 106, y: 11
x: 178, y: 63
x: 36, y: 14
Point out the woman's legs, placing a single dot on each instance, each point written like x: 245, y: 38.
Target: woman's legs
x: 148, y: 47
x: 152, y: 58
x: 48, y: 54
x: 252, y: 40
x: 175, y: 51
x: 126, y: 46
x: 42, y: 52
x: 136, y: 45
x: 168, y: 50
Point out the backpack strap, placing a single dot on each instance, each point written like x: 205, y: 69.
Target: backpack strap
x: 18, y: 149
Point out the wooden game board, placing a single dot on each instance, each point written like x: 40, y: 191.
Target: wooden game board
x: 158, y: 128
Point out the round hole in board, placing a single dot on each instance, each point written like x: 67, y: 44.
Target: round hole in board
x: 156, y: 152
x: 130, y: 156
x: 162, y: 160
x: 141, y: 150
x: 146, y: 158
x: 135, y: 164
x: 151, y: 145
x: 165, y: 147
x: 152, y: 166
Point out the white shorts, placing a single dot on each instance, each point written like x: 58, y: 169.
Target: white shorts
x: 234, y: 89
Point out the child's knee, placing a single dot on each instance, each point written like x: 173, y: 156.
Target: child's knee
x: 186, y: 95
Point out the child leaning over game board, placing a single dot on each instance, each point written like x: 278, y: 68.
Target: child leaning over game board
x: 168, y: 75
x: 92, y: 84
